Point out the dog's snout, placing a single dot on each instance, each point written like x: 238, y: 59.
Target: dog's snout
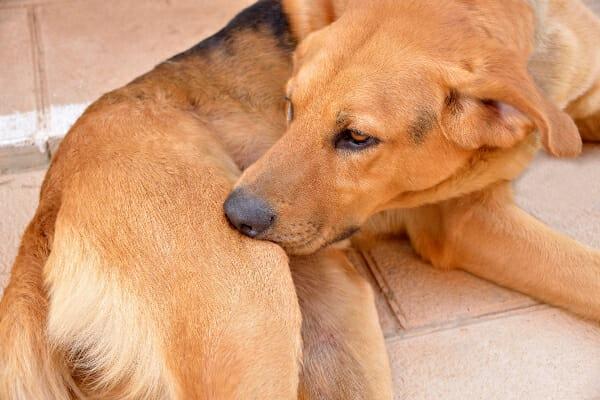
x: 250, y: 214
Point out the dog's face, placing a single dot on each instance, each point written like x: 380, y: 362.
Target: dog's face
x: 390, y: 99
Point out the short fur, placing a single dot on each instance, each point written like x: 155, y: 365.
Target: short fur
x: 496, y: 81
x: 130, y: 283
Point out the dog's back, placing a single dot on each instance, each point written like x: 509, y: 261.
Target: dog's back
x: 129, y: 279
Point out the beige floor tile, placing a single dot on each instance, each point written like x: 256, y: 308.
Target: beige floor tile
x: 22, y: 157
x: 18, y: 115
x: 541, y: 355
x: 16, y: 70
x: 425, y: 298
x: 95, y: 46
x: 565, y: 194
x: 18, y: 201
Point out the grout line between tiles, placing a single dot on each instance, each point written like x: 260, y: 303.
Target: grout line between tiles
x: 388, y: 294
x: 40, y: 79
x: 461, y: 323
x: 39, y: 68
x: 358, y: 257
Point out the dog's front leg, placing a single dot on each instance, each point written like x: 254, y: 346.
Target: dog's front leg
x: 488, y: 235
x: 343, y: 347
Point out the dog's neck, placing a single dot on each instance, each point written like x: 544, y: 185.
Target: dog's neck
x: 485, y: 169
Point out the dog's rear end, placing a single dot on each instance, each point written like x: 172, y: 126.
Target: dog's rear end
x: 129, y: 282
x: 134, y: 221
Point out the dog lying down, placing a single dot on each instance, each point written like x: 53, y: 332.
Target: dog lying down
x: 130, y: 283
x: 423, y: 137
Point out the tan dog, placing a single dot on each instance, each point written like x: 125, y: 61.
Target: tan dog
x: 414, y: 116
x: 130, y: 284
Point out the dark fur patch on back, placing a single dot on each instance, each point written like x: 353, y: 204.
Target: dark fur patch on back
x: 265, y: 15
x: 421, y: 126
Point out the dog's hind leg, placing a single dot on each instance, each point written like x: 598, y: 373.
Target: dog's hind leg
x: 486, y: 234
x: 343, y: 348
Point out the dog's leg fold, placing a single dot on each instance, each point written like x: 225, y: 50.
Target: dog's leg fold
x: 343, y: 348
x: 488, y: 235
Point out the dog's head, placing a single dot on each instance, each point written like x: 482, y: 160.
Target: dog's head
x: 387, y: 98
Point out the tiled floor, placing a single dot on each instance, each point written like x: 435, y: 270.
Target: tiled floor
x: 63, y: 57
x: 450, y: 335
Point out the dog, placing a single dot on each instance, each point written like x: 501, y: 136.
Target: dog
x: 413, y: 117
x: 130, y: 283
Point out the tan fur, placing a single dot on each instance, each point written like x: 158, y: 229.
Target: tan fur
x: 95, y: 330
x: 340, y: 328
x: 131, y: 284
x: 149, y: 290
x: 31, y: 369
x: 460, y: 94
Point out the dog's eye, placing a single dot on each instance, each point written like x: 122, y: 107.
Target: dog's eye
x: 350, y: 139
x: 289, y: 110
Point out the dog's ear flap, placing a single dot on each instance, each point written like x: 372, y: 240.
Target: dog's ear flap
x: 307, y: 16
x: 500, y: 105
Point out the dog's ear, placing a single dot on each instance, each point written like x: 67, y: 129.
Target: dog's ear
x: 500, y: 105
x: 307, y: 16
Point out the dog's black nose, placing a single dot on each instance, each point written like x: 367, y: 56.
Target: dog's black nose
x: 251, y: 215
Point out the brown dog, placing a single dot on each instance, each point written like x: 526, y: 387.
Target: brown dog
x: 414, y: 116
x: 130, y: 283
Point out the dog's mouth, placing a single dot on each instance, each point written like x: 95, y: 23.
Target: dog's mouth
x: 308, y: 245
